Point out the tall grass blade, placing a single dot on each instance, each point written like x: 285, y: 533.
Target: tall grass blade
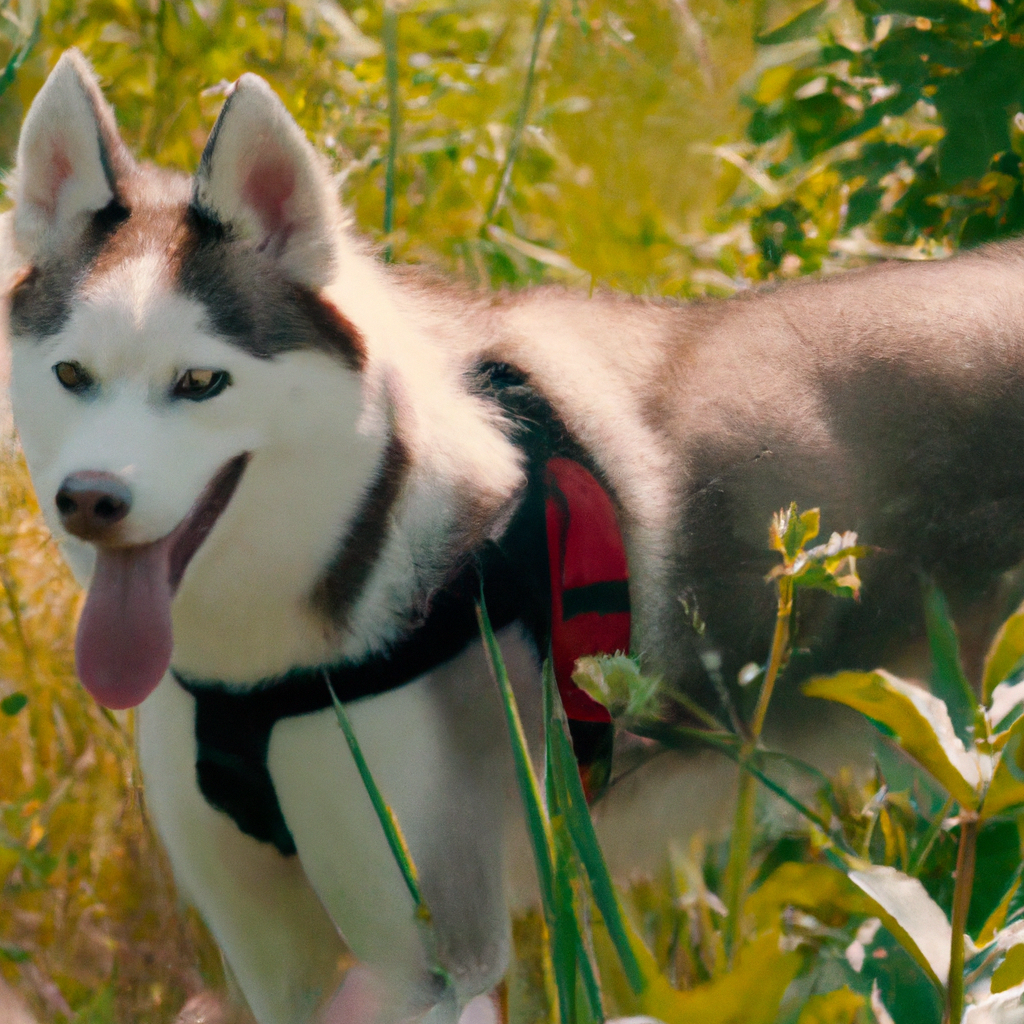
x: 395, y: 838
x: 566, y: 867
x: 523, y: 113
x: 536, y: 817
x: 591, y: 986
x: 386, y: 816
x: 565, y: 937
x: 562, y: 764
x: 390, y: 33
x: 13, y: 65
x: 539, y: 829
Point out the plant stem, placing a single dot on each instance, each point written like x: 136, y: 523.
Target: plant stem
x: 965, y: 860
x: 780, y: 647
x: 520, y: 123
x: 743, y: 825
x: 390, y: 33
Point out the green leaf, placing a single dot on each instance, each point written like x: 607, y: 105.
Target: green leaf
x: 1004, y: 655
x: 749, y: 994
x: 14, y: 954
x: 996, y: 875
x: 948, y: 679
x: 975, y: 111
x: 919, y: 722
x: 997, y: 918
x: 831, y: 567
x: 804, y: 24
x: 1006, y: 790
x: 13, y: 703
x: 1006, y: 706
x: 1010, y: 972
x: 911, y: 915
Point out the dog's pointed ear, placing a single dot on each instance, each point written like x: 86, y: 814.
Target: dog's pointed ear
x: 71, y: 160
x: 260, y: 177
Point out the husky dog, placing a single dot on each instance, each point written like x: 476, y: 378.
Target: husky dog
x: 280, y: 465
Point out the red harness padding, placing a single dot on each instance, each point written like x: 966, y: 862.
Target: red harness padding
x: 589, y: 580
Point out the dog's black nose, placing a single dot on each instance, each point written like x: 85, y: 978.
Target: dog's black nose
x: 91, y: 503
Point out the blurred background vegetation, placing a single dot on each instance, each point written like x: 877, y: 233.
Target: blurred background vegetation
x: 665, y: 147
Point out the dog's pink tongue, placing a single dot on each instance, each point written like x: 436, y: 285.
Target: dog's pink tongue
x: 124, y: 640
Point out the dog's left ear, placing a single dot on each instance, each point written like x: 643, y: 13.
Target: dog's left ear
x: 71, y: 160
x: 260, y: 177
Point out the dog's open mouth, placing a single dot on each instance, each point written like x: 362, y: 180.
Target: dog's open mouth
x: 124, y: 642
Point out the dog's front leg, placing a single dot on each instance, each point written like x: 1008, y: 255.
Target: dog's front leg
x: 283, y: 949
x: 438, y: 750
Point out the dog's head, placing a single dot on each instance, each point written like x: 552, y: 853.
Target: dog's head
x: 186, y: 393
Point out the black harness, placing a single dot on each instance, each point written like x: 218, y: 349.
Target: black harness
x: 233, y: 728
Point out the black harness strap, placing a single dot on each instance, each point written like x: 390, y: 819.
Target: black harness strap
x: 233, y: 727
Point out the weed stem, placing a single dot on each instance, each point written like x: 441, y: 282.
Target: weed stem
x: 520, y: 123
x: 390, y: 33
x: 965, y: 860
x: 743, y: 826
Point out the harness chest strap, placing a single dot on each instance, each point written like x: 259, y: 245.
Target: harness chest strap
x: 587, y: 584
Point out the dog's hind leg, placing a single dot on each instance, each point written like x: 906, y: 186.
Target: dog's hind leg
x: 281, y: 946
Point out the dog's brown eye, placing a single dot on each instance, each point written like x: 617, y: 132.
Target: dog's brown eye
x: 74, y: 377
x: 197, y: 385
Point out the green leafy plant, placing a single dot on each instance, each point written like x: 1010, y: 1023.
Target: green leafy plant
x: 831, y: 567
x: 984, y: 777
x: 878, y: 128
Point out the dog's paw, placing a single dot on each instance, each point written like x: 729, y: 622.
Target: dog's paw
x: 205, y: 1008
x: 357, y: 1001
x: 482, y: 1009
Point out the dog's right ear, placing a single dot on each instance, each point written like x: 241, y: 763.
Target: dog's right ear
x: 71, y: 159
x: 260, y: 177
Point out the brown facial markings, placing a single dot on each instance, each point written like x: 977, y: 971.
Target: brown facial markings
x: 245, y: 298
x: 41, y: 296
x: 151, y: 226
x: 338, y: 333
x: 346, y: 576
x: 249, y: 302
